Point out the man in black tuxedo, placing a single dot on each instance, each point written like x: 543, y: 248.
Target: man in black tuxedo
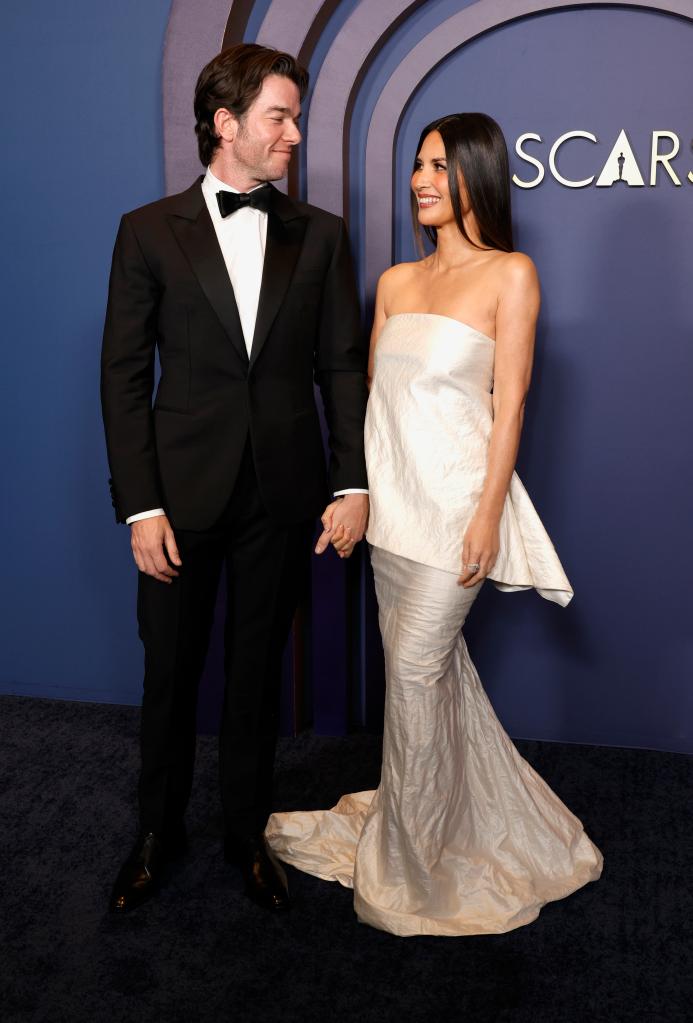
x: 248, y: 296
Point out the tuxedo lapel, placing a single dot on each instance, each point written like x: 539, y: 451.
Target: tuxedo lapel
x: 192, y: 226
x: 286, y: 227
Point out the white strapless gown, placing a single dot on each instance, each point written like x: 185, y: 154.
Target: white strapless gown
x: 462, y: 836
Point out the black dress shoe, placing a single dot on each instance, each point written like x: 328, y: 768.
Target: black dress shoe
x: 139, y: 878
x: 264, y: 876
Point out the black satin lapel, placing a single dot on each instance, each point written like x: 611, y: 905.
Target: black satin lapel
x: 199, y: 242
x: 284, y: 241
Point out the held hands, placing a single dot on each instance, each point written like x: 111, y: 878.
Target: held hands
x: 479, y: 550
x: 149, y: 539
x: 344, y: 523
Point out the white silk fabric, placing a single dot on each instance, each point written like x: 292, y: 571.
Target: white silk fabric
x: 428, y: 428
x: 462, y: 836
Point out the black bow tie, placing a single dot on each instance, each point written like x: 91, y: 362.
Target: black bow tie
x: 231, y: 202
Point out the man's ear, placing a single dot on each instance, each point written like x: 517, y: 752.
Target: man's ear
x: 226, y: 124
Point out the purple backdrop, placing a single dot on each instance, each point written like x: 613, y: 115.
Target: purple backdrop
x: 609, y: 409
x: 605, y: 454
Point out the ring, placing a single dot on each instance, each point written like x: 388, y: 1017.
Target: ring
x: 475, y: 567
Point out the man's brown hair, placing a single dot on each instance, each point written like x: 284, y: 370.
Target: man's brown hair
x: 232, y: 80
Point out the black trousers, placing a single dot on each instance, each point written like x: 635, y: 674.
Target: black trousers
x: 267, y: 566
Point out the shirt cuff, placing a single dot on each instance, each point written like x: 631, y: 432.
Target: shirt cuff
x: 144, y: 515
x: 350, y: 490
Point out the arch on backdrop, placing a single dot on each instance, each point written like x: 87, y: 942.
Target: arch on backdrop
x: 339, y: 89
x: 194, y: 36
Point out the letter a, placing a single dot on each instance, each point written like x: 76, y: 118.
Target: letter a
x: 611, y: 171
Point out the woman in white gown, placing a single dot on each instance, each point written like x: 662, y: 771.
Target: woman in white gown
x: 462, y: 836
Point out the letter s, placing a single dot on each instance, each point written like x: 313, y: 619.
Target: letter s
x: 529, y: 159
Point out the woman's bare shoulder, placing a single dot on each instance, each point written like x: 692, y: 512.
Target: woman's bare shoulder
x: 398, y: 276
x: 516, y: 269
x: 401, y: 271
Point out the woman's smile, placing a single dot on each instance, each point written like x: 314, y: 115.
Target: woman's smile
x: 425, y: 200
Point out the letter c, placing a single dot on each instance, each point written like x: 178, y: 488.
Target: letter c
x: 552, y: 158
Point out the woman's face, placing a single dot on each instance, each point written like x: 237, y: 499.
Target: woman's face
x: 429, y: 183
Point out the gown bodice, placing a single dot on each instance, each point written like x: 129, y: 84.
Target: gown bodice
x: 427, y: 433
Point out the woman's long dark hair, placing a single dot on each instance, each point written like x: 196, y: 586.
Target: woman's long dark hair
x: 474, y: 147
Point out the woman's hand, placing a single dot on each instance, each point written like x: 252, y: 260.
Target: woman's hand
x: 479, y: 550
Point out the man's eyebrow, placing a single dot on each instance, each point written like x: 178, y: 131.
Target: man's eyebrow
x: 282, y: 110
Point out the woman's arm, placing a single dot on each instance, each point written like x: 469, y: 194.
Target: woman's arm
x: 516, y: 317
x: 342, y: 534
x: 379, y: 316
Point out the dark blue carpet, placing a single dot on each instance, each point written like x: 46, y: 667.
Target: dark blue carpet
x: 617, y: 951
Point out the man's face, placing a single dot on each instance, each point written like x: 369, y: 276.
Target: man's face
x: 267, y: 133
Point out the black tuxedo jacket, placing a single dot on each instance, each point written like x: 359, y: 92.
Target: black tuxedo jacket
x: 170, y: 290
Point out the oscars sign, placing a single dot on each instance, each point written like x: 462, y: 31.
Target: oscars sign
x: 621, y: 163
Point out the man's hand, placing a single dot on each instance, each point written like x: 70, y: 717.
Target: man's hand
x: 344, y: 523
x: 149, y: 538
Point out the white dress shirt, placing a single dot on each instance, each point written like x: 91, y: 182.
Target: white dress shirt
x: 242, y: 238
